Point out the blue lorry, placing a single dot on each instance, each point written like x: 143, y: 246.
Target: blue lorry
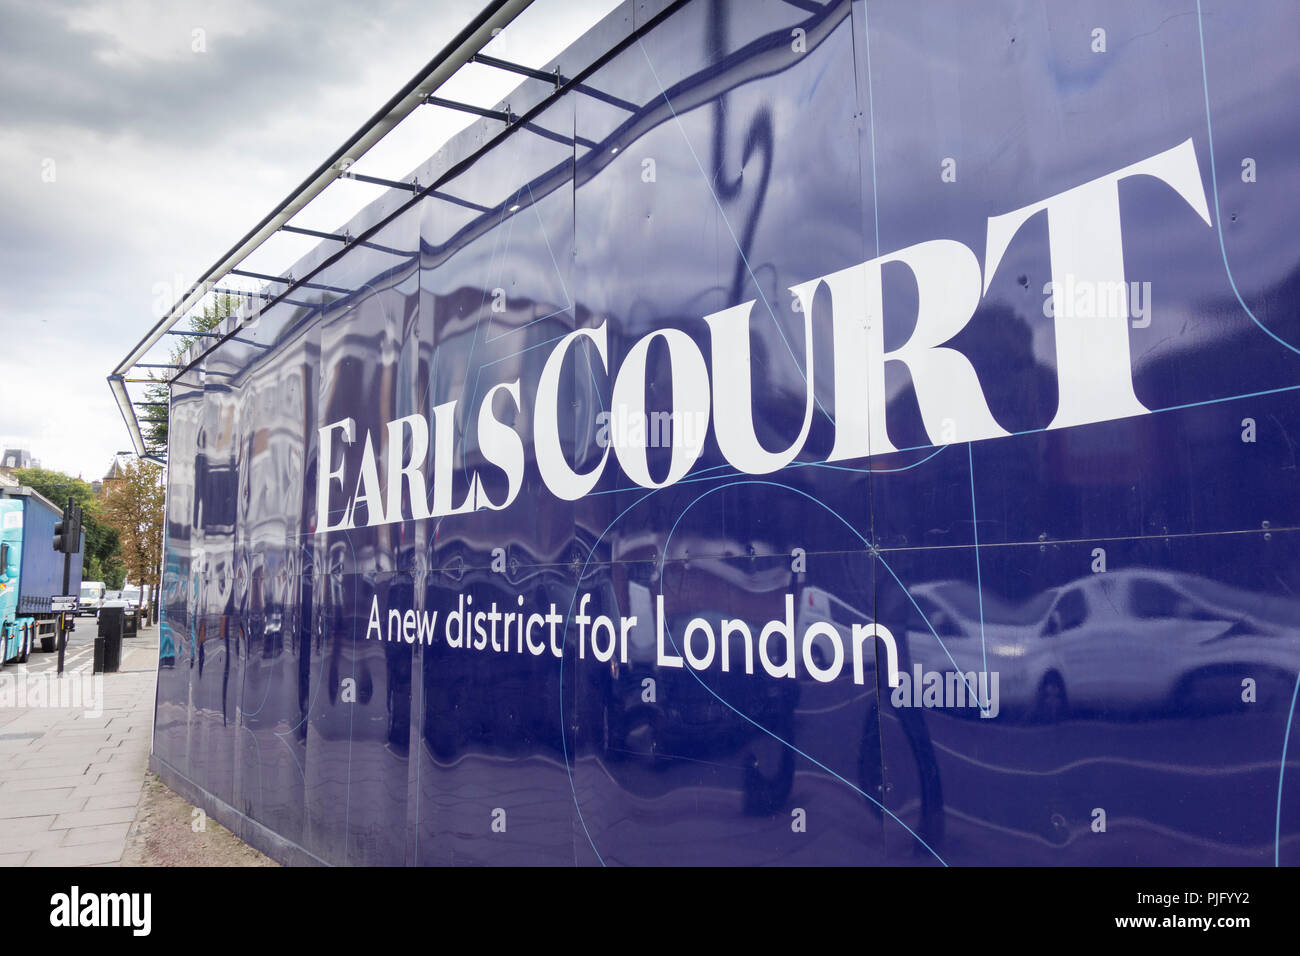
x: 31, y: 574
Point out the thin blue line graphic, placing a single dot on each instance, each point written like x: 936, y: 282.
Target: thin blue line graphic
x: 532, y: 202
x: 1230, y: 398
x: 732, y: 472
x: 942, y: 646
x: 564, y: 740
x: 871, y: 115
x: 740, y: 713
x: 1154, y: 411
x: 500, y: 264
x: 1027, y: 431
x: 478, y: 323
x: 497, y: 235
x: 1214, y: 182
x: 520, y: 328
x: 302, y: 773
x: 731, y: 232
x: 979, y: 583
x: 583, y: 573
x: 869, y: 471
x: 257, y: 744
x: 505, y: 358
x: 1281, y: 773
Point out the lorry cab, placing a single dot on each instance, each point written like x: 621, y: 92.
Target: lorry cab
x: 33, y: 573
x: 15, y: 636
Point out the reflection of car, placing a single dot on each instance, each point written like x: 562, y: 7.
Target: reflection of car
x: 119, y: 599
x: 1120, y: 642
x: 948, y: 641
x: 1143, y: 641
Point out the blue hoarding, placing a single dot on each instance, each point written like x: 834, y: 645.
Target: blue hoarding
x: 855, y: 434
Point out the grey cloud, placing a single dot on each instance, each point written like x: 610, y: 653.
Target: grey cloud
x: 53, y: 75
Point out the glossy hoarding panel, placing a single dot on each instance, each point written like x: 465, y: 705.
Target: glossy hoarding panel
x: 857, y: 435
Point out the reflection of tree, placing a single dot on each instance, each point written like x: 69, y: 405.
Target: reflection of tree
x: 1226, y: 329
x: 758, y: 139
x: 1021, y: 393
x: 216, y: 309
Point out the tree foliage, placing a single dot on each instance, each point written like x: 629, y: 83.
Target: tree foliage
x: 215, y: 309
x: 133, y: 505
x: 101, y: 558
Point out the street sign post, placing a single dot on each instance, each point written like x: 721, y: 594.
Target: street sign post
x: 67, y: 539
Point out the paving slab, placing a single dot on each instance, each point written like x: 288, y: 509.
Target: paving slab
x: 40, y: 806
x: 87, y: 855
x: 106, y: 790
x: 71, y: 778
x: 102, y: 833
x: 110, y: 801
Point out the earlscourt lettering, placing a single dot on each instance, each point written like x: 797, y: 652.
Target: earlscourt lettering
x: 1090, y: 319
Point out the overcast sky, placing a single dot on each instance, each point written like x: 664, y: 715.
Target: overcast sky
x: 139, y: 140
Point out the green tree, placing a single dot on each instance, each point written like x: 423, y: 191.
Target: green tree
x: 101, y: 558
x: 133, y: 506
x: 216, y: 308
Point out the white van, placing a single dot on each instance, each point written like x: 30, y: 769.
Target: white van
x: 92, y: 597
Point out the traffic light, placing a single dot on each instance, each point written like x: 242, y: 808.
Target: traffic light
x: 61, y: 535
x: 67, y: 533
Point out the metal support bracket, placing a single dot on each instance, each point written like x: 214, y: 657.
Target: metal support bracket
x: 519, y: 68
x: 316, y: 233
x: 413, y: 186
x: 504, y: 116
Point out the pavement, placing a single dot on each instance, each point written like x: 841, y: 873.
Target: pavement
x: 74, y: 751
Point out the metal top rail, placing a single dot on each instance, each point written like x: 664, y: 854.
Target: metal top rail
x: 421, y: 89
x: 462, y: 49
